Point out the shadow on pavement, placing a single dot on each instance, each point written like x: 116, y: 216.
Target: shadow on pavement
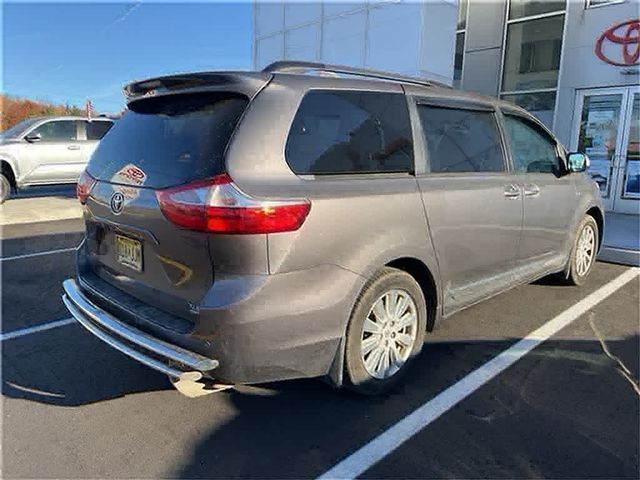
x: 67, y: 366
x: 565, y: 410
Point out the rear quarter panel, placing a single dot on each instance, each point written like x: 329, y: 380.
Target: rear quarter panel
x: 357, y: 222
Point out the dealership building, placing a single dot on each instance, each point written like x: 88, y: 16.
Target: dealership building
x: 575, y: 64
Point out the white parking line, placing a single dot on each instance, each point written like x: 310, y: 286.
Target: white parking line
x: 38, y: 254
x: 385, y: 443
x: 37, y: 328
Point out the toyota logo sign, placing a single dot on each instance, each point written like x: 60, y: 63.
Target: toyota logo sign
x: 620, y: 44
x: 117, y: 203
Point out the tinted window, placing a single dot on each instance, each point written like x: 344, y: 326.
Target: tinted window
x: 533, y: 150
x: 173, y: 140
x: 461, y: 140
x: 57, y: 131
x: 97, y: 129
x: 350, y: 132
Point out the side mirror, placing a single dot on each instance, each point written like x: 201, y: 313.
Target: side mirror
x: 33, y: 137
x: 578, y: 162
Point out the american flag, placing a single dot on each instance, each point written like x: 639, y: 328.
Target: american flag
x: 90, y: 112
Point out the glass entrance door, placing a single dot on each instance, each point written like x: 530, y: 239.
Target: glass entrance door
x: 608, y: 130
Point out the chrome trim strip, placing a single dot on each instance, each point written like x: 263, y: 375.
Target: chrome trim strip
x: 87, y: 314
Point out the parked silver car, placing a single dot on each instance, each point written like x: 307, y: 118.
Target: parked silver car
x: 47, y: 150
x: 316, y: 221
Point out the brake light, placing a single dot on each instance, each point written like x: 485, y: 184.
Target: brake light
x: 84, y: 187
x: 218, y: 206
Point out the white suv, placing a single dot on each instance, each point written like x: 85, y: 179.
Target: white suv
x: 47, y: 150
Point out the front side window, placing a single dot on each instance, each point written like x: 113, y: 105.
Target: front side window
x: 461, y: 140
x: 97, y: 129
x: 532, y: 149
x: 57, y: 131
x: 339, y: 132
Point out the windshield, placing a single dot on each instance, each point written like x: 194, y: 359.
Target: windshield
x: 19, y: 128
x: 169, y: 140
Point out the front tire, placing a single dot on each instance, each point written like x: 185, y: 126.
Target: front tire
x: 386, y: 331
x: 5, y: 188
x: 585, y: 248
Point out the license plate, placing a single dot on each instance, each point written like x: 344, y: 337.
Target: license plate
x: 129, y: 252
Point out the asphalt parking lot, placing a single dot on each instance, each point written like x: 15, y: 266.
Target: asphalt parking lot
x: 73, y: 408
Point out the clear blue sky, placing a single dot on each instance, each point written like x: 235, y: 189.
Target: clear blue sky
x: 67, y: 52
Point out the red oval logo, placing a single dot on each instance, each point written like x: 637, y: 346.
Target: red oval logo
x: 620, y: 44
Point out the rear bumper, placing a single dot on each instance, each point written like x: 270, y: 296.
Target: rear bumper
x: 260, y: 328
x: 169, y: 359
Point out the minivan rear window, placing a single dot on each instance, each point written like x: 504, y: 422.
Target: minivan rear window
x: 343, y: 132
x: 171, y: 140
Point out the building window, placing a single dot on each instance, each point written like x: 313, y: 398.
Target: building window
x: 460, y: 37
x: 533, y: 44
x: 462, y: 14
x: 600, y: 3
x: 528, y: 8
x: 457, y: 63
x: 532, y: 55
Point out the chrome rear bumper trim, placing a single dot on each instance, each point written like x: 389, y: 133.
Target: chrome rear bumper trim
x: 108, y: 329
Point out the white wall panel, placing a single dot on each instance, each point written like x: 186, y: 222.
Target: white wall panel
x: 269, y: 18
x: 302, y: 43
x: 339, y: 8
x: 269, y: 50
x: 394, y: 37
x: 343, y: 40
x: 296, y: 14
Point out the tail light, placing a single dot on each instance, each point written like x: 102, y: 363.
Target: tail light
x: 84, y: 186
x: 217, y: 206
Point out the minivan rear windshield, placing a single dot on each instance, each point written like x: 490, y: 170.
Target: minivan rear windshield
x: 171, y: 140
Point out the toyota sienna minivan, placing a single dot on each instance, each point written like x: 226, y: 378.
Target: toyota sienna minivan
x: 311, y: 220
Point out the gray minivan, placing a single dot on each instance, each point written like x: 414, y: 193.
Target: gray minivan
x: 311, y: 220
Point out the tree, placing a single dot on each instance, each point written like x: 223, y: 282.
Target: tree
x: 13, y: 110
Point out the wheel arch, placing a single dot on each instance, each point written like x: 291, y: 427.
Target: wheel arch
x: 598, y: 216
x: 8, y: 171
x: 423, y: 275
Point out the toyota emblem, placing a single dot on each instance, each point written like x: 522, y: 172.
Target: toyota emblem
x: 117, y: 203
x: 620, y: 44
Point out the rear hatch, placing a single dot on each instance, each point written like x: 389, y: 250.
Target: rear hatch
x: 161, y: 143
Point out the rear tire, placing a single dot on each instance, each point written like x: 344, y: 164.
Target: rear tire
x: 583, y: 254
x: 386, y: 331
x: 5, y: 188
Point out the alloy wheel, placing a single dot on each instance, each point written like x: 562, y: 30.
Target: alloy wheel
x: 389, y: 334
x: 585, y: 252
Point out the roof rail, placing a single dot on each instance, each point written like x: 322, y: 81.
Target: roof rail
x: 292, y: 66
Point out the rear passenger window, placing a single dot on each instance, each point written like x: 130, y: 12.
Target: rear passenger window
x: 532, y: 149
x: 350, y: 132
x: 461, y: 140
x: 97, y: 129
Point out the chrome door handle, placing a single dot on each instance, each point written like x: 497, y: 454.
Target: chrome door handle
x: 73, y: 147
x: 512, y: 191
x: 531, y: 190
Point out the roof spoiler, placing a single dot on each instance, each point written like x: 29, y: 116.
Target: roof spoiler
x: 248, y: 83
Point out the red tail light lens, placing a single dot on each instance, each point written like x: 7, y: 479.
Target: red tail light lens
x: 217, y: 206
x: 84, y: 186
